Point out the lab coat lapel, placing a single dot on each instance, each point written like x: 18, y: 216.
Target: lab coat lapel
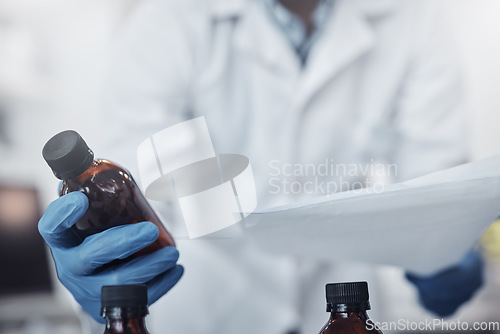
x: 346, y: 36
x: 258, y: 36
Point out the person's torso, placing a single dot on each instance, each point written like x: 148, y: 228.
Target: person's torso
x: 336, y: 110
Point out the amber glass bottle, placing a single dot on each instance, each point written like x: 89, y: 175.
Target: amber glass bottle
x: 347, y: 304
x: 114, y: 197
x: 124, y: 307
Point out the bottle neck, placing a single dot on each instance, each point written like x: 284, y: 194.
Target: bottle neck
x: 85, y: 174
x: 125, y: 320
x: 361, y: 314
x: 351, y: 312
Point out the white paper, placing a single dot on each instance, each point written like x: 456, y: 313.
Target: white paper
x: 423, y: 225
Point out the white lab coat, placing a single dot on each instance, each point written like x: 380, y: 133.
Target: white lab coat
x: 381, y: 84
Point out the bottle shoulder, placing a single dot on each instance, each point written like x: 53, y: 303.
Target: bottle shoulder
x: 101, y: 172
x: 102, y: 165
x: 350, y: 322
x: 107, y: 164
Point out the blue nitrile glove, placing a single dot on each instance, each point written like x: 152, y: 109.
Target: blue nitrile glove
x: 78, y: 265
x: 443, y: 293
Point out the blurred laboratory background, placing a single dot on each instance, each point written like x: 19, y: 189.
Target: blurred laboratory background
x: 53, y: 56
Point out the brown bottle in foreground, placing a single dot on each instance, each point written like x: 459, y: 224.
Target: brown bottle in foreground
x: 347, y: 304
x: 124, y: 307
x: 114, y: 197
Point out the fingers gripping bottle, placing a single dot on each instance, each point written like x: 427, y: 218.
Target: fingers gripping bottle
x: 114, y: 197
x: 124, y: 307
x: 347, y: 304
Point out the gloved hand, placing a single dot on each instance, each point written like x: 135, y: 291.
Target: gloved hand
x: 444, y: 292
x: 79, y: 265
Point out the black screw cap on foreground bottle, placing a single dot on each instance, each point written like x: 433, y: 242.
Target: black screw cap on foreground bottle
x: 347, y: 304
x: 124, y: 308
x: 67, y: 154
x: 124, y: 296
x: 343, y: 297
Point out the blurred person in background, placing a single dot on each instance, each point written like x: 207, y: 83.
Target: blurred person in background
x: 292, y: 81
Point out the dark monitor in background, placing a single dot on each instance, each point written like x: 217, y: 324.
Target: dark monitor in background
x: 24, y: 264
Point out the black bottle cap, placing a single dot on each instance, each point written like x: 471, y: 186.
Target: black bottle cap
x: 347, y: 297
x: 124, y: 295
x: 67, y: 154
